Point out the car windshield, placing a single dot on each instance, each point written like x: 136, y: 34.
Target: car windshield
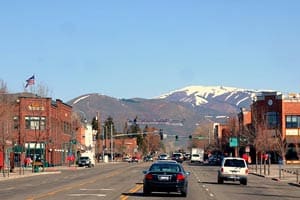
x: 84, y: 158
x: 166, y: 167
x: 234, y: 163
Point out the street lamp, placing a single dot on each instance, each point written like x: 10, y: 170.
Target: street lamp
x: 111, y: 143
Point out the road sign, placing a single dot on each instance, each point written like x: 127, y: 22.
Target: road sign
x: 233, y: 142
x: 201, y: 138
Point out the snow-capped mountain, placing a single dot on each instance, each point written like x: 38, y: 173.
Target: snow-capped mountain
x: 189, y: 105
x: 212, y: 96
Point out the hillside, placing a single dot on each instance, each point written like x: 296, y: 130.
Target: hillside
x: 188, y: 105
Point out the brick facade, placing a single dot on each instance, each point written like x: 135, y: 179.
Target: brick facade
x: 270, y: 112
x: 43, y: 128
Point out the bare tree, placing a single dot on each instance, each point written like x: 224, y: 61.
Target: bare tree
x: 269, y: 138
x: 152, y: 140
x: 40, y: 89
x: 6, y: 113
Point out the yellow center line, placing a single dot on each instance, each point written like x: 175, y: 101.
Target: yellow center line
x: 73, y: 185
x: 133, y: 190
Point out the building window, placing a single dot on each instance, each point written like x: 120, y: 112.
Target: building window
x: 35, y: 123
x: 66, y: 127
x: 292, y: 121
x: 272, y: 120
x: 16, y: 122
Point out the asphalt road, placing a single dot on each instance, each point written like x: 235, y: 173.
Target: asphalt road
x: 124, y: 181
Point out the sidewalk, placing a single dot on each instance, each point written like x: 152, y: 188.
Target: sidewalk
x: 26, y: 172
x: 284, y: 173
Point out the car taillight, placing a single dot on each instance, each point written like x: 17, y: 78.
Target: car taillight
x: 222, y: 169
x: 180, y: 177
x: 149, y: 177
x: 247, y: 171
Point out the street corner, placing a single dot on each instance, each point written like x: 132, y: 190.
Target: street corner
x: 257, y: 174
x: 275, y: 179
x: 295, y: 184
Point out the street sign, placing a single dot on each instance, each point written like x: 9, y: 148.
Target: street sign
x: 233, y: 142
x: 19, y: 148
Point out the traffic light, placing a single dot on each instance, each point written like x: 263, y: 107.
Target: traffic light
x: 176, y: 137
x: 161, y: 134
x: 190, y: 137
x: 74, y: 141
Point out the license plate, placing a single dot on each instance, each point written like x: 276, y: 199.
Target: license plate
x: 163, y: 178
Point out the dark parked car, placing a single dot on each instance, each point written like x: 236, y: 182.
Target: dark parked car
x: 148, y: 158
x: 178, y: 157
x: 166, y: 177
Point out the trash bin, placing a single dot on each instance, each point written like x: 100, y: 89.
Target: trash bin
x: 105, y: 158
x: 36, y: 168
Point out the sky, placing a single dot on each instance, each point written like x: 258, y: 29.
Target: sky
x: 146, y: 48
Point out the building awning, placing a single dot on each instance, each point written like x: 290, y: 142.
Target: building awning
x: 292, y: 139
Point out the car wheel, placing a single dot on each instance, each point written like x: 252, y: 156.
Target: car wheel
x: 220, y: 180
x: 146, y: 191
x: 183, y: 193
x: 243, y: 181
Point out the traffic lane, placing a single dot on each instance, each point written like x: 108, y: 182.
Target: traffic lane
x: 195, y: 191
x: 257, y: 188
x: 45, y: 186
x: 108, y: 185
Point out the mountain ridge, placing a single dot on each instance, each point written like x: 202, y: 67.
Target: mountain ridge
x: 189, y: 104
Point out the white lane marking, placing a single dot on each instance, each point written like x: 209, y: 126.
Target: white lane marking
x: 102, y: 189
x: 79, y: 195
x: 9, y: 188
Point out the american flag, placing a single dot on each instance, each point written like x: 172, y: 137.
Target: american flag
x: 30, y: 81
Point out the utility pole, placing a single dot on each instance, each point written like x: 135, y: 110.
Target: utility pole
x: 98, y: 136
x: 111, y: 144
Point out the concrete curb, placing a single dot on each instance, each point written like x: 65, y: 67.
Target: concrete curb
x: 275, y: 179
x: 28, y: 174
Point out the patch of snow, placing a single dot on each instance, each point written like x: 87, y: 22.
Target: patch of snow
x: 240, y: 101
x: 81, y: 98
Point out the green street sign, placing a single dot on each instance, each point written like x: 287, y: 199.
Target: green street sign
x: 233, y: 142
x: 74, y: 141
x: 19, y: 148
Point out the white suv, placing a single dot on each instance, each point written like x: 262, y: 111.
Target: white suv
x: 233, y: 169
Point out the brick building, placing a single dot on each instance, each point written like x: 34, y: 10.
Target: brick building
x: 275, y: 123
x: 41, y: 128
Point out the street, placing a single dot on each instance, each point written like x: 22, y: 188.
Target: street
x: 124, y: 181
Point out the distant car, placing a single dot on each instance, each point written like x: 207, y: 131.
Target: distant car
x: 233, y: 169
x: 166, y: 176
x: 195, y: 157
x: 133, y: 159
x: 148, y: 158
x: 178, y: 157
x: 126, y: 159
x: 163, y: 156
x: 187, y: 156
x: 215, y: 160
x: 85, y: 161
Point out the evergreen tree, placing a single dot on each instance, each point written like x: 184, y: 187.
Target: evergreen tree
x: 95, y: 123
